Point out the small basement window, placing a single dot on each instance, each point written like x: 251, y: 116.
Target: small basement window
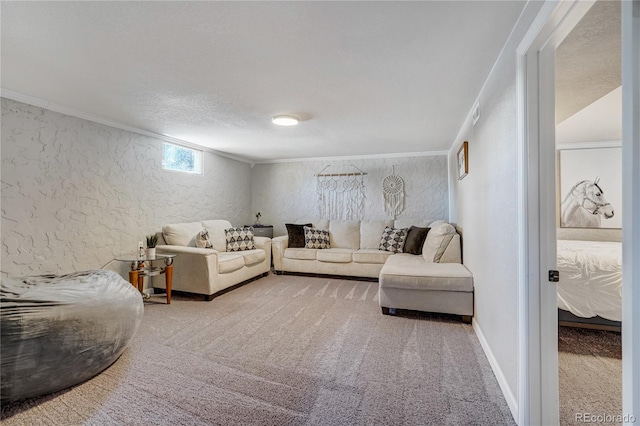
x: 182, y: 159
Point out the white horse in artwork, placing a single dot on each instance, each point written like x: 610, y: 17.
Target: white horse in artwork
x: 584, y: 206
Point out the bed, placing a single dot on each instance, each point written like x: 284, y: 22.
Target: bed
x: 590, y: 286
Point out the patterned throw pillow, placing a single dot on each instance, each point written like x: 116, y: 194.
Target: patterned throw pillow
x: 203, y: 240
x: 239, y: 239
x: 393, y: 239
x: 316, y: 238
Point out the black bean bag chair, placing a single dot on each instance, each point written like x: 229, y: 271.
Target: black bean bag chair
x: 58, y: 331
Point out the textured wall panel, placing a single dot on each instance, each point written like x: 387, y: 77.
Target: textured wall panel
x: 76, y: 193
x: 484, y: 206
x: 285, y: 192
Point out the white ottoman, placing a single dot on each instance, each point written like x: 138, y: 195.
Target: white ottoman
x: 409, y: 282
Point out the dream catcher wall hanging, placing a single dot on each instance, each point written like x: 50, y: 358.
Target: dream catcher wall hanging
x: 393, y: 194
x: 341, y: 195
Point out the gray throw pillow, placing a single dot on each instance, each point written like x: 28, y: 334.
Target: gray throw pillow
x: 415, y: 240
x: 296, y: 234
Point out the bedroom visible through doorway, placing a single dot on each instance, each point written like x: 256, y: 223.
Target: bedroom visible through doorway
x: 589, y: 206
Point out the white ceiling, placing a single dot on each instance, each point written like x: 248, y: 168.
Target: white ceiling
x: 364, y: 77
x: 588, y: 78
x: 589, y: 61
x: 599, y: 122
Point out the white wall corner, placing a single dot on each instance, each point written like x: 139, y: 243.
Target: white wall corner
x: 452, y: 212
x: 355, y: 157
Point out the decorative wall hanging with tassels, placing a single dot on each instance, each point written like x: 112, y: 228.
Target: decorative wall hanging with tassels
x: 393, y: 194
x: 341, y: 195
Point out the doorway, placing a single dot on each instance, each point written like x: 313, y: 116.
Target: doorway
x: 588, y: 111
x: 538, y: 394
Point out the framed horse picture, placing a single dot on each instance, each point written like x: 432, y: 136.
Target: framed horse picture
x: 591, y: 188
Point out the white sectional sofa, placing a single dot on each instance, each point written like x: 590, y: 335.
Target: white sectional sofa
x: 209, y: 271
x: 354, y: 249
x: 435, y: 281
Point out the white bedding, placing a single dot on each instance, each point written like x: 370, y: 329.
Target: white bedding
x: 590, y: 278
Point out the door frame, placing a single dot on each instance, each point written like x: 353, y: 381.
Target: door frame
x: 538, y: 390
x: 537, y: 324
x: 631, y: 212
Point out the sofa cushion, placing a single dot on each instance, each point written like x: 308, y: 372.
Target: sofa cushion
x: 239, y: 239
x: 203, y: 240
x: 300, y: 253
x: 345, y: 234
x: 296, y: 234
x: 413, y: 272
x: 415, y: 240
x: 216, y: 233
x: 316, y: 238
x: 371, y: 256
x: 437, y: 241
x: 393, y: 239
x: 181, y: 234
x: 370, y: 232
x: 229, y: 262
x: 251, y: 257
x: 335, y: 255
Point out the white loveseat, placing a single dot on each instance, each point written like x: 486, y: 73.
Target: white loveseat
x: 433, y: 282
x: 209, y: 271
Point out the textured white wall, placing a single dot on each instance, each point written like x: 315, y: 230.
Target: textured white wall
x: 285, y: 192
x: 76, y: 193
x: 484, y: 203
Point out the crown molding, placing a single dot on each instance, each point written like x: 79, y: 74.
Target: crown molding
x: 589, y: 145
x: 41, y: 103
x: 355, y: 157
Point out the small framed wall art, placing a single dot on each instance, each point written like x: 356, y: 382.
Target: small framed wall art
x: 463, y: 160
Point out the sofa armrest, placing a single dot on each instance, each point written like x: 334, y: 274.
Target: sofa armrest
x: 262, y: 242
x: 195, y: 269
x: 278, y: 246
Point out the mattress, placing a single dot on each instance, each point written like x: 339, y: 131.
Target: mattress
x: 590, y: 278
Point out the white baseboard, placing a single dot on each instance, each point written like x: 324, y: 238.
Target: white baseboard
x: 502, y: 381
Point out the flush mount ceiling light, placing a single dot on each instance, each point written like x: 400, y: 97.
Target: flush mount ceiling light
x: 284, y: 120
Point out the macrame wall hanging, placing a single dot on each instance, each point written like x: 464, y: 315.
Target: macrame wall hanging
x: 341, y: 195
x: 393, y: 194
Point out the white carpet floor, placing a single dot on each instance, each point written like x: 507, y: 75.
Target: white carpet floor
x: 285, y: 350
